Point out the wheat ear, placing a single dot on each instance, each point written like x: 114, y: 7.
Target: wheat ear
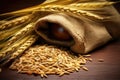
x: 13, y: 47
x: 24, y: 46
x: 31, y: 9
x: 4, y: 34
x: 92, y: 5
x: 23, y: 32
x: 21, y: 49
x: 17, y: 21
x: 17, y: 36
x: 58, y: 2
x: 66, y: 9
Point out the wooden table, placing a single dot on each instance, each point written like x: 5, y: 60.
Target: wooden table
x: 107, y: 70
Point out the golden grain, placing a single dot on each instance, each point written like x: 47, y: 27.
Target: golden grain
x: 84, y: 68
x: 100, y: 60
x: 47, y: 59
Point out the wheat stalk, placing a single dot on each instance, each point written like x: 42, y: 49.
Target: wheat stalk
x: 66, y: 9
x: 21, y: 48
x: 92, y: 5
x: 2, y: 21
x: 46, y: 3
x: 23, y: 32
x: 58, y: 2
x: 8, y: 33
x: 24, y: 46
x: 6, y: 36
x: 14, y: 22
x: 20, y: 34
x: 13, y: 47
x: 78, y: 6
x: 15, y: 40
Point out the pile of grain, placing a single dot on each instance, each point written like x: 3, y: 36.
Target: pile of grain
x: 47, y: 59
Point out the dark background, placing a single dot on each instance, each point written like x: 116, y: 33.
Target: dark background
x: 11, y: 5
x: 107, y: 70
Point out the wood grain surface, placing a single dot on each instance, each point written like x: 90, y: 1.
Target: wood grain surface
x: 109, y: 69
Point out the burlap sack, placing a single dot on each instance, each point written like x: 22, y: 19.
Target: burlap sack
x: 87, y: 34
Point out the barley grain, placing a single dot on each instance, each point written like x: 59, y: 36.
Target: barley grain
x: 47, y: 59
x: 100, y: 60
